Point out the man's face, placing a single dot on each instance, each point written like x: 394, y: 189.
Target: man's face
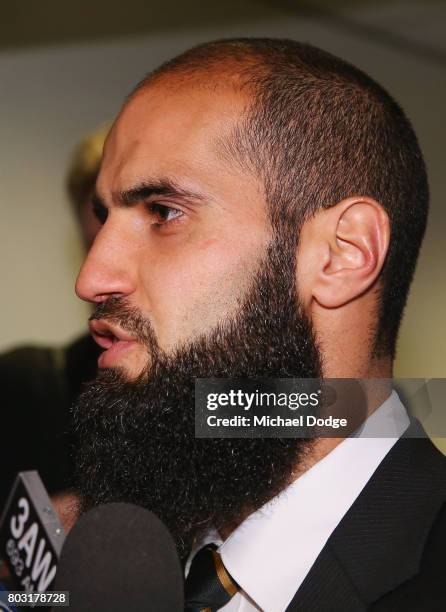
x: 194, y: 283
x: 184, y: 231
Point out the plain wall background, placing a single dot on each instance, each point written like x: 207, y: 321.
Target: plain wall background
x: 52, y: 96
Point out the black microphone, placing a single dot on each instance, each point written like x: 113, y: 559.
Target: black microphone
x: 120, y: 557
x: 31, y: 535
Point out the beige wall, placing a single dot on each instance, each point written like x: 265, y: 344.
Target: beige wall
x: 52, y: 96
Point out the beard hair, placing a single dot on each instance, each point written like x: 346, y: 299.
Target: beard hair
x: 136, y: 439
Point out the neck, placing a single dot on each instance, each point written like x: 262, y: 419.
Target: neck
x: 375, y: 396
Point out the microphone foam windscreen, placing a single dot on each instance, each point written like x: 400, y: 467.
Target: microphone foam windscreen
x: 120, y: 557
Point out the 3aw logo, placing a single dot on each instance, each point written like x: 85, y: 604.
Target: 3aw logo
x: 29, y: 553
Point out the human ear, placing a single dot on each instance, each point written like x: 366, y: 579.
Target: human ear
x: 342, y: 251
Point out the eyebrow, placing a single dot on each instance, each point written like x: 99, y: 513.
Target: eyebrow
x: 161, y: 187
x: 148, y: 189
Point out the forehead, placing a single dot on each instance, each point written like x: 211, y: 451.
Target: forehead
x: 168, y: 132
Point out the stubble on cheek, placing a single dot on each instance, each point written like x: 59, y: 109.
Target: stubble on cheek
x: 212, y: 302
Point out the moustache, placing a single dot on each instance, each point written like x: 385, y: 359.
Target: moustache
x: 130, y: 319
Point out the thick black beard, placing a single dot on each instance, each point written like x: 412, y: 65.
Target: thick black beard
x: 136, y: 438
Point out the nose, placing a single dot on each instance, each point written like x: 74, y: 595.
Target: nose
x: 109, y: 269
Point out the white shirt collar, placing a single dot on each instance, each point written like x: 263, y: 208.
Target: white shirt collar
x: 272, y: 551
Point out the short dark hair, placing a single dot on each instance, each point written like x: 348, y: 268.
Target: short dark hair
x: 319, y: 130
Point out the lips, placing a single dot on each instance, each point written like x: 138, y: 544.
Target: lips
x: 112, y: 339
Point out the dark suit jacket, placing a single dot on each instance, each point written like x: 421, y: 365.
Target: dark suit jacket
x: 388, y: 554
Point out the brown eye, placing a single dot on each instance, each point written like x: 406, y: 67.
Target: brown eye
x: 164, y: 214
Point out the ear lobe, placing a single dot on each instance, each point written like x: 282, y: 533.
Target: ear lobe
x: 358, y: 239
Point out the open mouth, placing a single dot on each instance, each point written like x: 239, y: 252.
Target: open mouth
x: 105, y: 339
x: 112, y: 339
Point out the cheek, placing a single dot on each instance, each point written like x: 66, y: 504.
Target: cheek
x: 190, y: 294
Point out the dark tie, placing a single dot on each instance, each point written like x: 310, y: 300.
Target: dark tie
x: 208, y: 585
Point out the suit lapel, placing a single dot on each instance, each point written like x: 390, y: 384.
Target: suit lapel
x: 379, y: 542
x: 327, y: 587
